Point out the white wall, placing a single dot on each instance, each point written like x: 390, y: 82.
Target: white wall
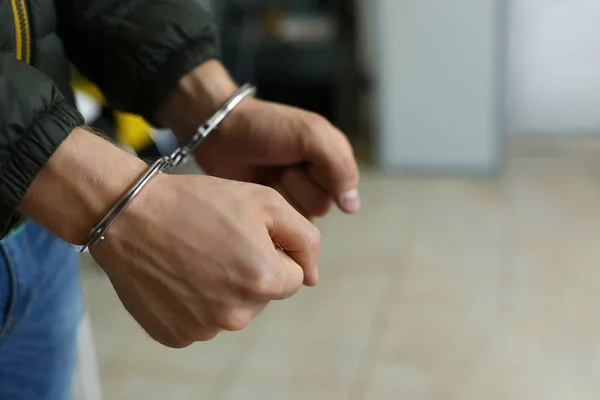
x: 437, y: 76
x: 555, y: 66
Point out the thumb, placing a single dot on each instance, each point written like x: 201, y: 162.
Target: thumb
x: 331, y: 164
x: 292, y: 275
x: 299, y: 239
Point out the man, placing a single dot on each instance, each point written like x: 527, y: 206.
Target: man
x: 191, y: 255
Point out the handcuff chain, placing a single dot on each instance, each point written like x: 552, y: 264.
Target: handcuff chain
x: 180, y: 155
x: 167, y: 164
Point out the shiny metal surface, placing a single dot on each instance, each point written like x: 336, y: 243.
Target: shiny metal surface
x: 167, y: 164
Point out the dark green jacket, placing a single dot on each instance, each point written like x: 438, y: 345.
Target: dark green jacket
x: 134, y: 50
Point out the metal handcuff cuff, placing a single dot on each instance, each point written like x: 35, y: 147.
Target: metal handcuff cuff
x: 166, y: 164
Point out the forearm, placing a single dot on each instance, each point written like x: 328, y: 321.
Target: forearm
x: 82, y: 180
x: 87, y: 175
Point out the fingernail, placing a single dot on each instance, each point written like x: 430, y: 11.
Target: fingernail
x: 350, y: 201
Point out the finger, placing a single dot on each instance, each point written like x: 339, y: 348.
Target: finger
x: 286, y: 279
x: 278, y: 186
x: 308, y: 279
x: 332, y: 164
x: 300, y: 239
x: 311, y: 199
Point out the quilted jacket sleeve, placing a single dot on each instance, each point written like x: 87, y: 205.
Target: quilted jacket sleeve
x: 136, y: 51
x: 34, y: 120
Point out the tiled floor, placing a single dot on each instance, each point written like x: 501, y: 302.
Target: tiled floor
x: 440, y: 289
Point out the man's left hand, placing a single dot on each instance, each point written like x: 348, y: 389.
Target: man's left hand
x: 299, y: 153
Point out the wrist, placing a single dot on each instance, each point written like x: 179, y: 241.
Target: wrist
x: 80, y: 183
x: 197, y: 96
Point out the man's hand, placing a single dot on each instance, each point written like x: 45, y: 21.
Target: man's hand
x: 194, y: 255
x: 299, y: 153
x: 191, y: 255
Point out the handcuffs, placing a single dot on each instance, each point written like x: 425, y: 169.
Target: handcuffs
x: 166, y: 164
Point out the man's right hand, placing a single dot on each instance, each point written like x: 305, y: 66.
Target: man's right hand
x: 195, y: 255
x: 192, y: 255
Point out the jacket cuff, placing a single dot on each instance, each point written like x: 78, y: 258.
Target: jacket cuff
x: 156, y: 89
x: 30, y: 156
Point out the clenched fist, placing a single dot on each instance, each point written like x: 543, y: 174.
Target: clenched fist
x: 195, y: 255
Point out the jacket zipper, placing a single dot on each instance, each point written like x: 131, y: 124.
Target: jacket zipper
x: 21, y: 18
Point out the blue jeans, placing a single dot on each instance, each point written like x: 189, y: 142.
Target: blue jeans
x: 40, y: 309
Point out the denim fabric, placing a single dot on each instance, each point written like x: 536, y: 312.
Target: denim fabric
x: 40, y: 310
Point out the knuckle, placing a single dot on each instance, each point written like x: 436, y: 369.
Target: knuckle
x: 263, y: 285
x: 264, y: 193
x: 267, y: 286
x: 313, y: 237
x: 185, y: 337
x: 206, y: 335
x: 316, y: 123
x: 312, y: 127
x: 271, y: 195
x: 174, y: 342
x: 235, y: 320
x: 272, y: 200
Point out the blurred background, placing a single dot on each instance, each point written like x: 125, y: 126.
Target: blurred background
x: 473, y: 269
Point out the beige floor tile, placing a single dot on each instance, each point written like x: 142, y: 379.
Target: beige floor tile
x: 555, y: 234
x: 434, y: 347
x: 251, y: 386
x: 538, y: 358
x: 393, y: 380
x: 125, y: 384
x: 380, y: 232
x: 321, y: 334
x: 206, y: 360
x: 443, y: 309
x: 498, y: 298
